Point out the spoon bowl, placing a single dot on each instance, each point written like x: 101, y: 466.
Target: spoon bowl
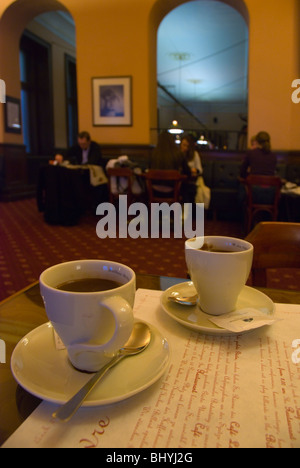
x: 138, y: 341
x: 184, y: 300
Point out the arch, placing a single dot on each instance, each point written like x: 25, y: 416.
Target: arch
x: 162, y: 7
x: 12, y: 24
x: 20, y: 12
x: 159, y: 10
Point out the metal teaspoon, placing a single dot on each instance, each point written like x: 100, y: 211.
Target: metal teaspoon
x: 138, y: 341
x: 184, y: 300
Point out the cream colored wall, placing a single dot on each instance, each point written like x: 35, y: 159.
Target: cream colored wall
x: 112, y: 40
x: 9, y: 71
x: 118, y: 37
x: 273, y: 64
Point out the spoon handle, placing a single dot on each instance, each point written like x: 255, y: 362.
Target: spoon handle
x: 66, y: 411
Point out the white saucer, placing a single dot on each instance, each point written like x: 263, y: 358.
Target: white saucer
x: 193, y: 317
x: 46, y: 372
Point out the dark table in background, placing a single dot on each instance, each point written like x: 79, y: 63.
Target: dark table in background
x: 289, y: 208
x: 64, y: 194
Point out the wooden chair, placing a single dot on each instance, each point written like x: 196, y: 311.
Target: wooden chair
x: 256, y: 184
x: 114, y: 175
x: 163, y: 185
x: 276, y: 245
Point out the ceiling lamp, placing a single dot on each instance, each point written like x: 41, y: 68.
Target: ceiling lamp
x: 202, y: 141
x: 175, y: 130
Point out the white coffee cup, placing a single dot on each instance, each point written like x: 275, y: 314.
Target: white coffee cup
x: 218, y: 276
x: 93, y: 326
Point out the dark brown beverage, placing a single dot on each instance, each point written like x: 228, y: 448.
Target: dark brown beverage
x: 88, y: 285
x: 212, y: 248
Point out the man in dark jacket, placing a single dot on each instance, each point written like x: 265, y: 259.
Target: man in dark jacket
x: 86, y: 151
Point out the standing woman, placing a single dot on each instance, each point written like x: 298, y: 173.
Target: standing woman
x: 197, y: 191
x: 191, y: 155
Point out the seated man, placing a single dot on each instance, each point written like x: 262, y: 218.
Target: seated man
x: 85, y: 152
x: 88, y: 152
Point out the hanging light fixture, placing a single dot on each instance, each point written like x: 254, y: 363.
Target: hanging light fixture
x: 175, y: 129
x: 202, y: 140
x: 180, y: 57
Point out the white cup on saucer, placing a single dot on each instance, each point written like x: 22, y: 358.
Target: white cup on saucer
x: 94, y: 324
x: 219, y: 268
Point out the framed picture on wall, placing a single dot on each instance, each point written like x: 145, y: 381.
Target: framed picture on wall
x: 13, y: 115
x: 112, y: 101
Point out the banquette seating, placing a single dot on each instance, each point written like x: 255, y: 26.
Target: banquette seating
x: 221, y: 174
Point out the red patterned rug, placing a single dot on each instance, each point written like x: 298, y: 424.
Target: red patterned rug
x: 28, y: 246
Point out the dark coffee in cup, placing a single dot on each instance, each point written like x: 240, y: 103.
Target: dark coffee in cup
x: 212, y: 248
x: 88, y: 285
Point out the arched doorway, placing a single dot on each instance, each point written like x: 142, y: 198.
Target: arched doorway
x: 184, y: 59
x: 18, y: 171
x: 48, y: 82
x: 12, y: 25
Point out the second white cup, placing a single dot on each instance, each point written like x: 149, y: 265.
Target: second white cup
x: 219, y: 268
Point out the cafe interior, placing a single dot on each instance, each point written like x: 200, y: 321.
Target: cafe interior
x: 222, y: 71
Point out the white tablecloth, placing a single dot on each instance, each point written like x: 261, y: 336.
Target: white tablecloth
x: 238, y: 391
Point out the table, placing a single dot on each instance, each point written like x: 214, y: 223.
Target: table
x: 289, y: 207
x: 65, y: 193
x: 24, y: 311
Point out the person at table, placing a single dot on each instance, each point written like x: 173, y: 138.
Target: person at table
x: 88, y: 152
x: 193, y: 162
x: 166, y: 156
x: 194, y: 190
x: 253, y: 142
x: 260, y: 160
x: 85, y: 152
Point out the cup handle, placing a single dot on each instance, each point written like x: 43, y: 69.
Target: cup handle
x: 123, y: 316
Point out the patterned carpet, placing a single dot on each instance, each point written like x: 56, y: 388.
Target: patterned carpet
x: 28, y: 245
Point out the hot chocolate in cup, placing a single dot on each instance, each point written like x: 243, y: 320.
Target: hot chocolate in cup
x: 219, y: 268
x: 89, y: 303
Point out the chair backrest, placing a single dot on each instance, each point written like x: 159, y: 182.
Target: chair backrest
x: 263, y: 193
x: 114, y: 176
x: 264, y: 182
x: 276, y: 245
x: 163, y: 185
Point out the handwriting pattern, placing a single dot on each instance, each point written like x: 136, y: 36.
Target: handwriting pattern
x: 206, y: 400
x: 94, y: 438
